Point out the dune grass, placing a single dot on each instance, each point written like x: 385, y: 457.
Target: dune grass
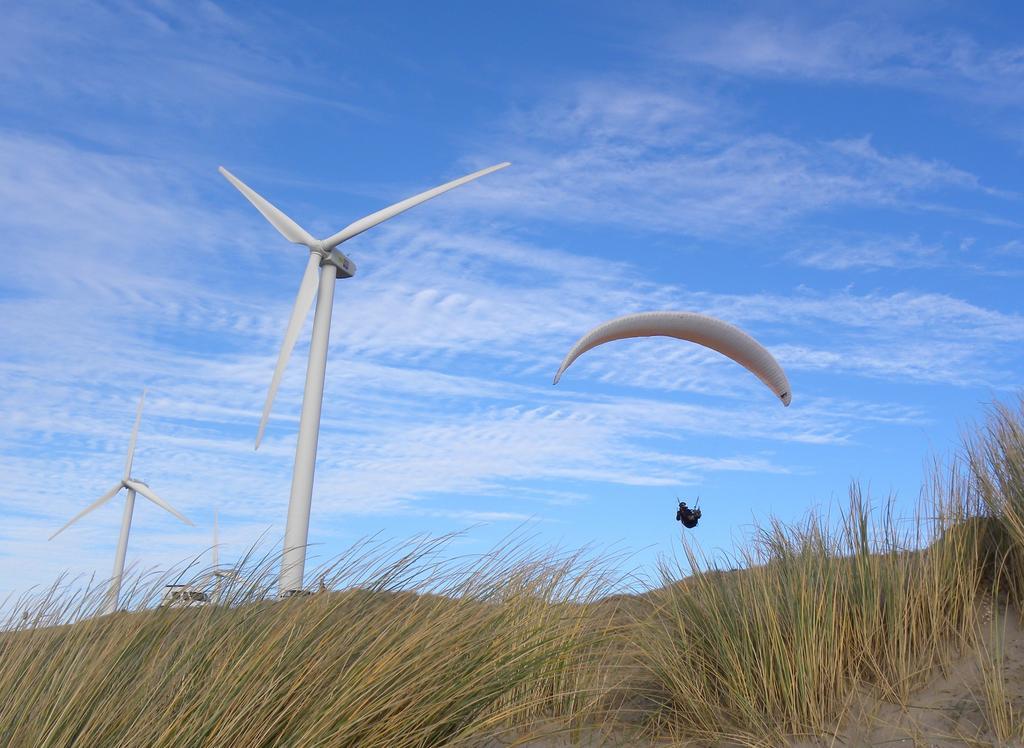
x: 819, y: 615
x: 415, y: 651
x: 408, y: 646
x: 824, y: 613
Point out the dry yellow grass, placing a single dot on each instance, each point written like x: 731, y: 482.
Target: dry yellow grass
x: 825, y: 613
x: 414, y: 652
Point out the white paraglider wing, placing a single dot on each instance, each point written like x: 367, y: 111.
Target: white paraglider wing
x: 697, y: 328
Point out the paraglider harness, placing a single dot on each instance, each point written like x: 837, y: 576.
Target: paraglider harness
x: 689, y: 517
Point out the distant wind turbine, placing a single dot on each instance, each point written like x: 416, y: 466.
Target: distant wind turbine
x: 134, y: 486
x: 332, y: 265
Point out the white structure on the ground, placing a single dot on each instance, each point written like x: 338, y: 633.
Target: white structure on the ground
x: 331, y: 264
x: 183, y: 596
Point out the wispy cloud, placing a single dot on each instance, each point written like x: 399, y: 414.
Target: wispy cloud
x: 877, y: 50
x: 662, y: 162
x: 871, y: 254
x: 1012, y: 247
x: 159, y: 60
x: 842, y: 252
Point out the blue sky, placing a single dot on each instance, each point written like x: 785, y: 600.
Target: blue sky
x: 844, y: 185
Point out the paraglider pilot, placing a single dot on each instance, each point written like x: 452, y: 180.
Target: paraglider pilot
x: 689, y: 517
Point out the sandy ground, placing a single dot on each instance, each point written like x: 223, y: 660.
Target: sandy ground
x: 951, y: 708
x: 948, y: 710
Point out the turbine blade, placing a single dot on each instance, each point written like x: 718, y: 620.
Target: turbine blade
x: 135, y: 434
x: 291, y: 231
x: 149, y: 494
x: 303, y: 301
x: 390, y: 212
x: 94, y: 505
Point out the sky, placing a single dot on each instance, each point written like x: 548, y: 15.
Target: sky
x: 844, y: 184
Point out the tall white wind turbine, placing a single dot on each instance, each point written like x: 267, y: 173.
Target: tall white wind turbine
x: 134, y: 486
x: 332, y: 264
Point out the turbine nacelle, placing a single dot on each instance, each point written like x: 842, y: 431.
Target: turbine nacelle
x: 346, y: 268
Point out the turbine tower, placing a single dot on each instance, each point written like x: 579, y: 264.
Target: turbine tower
x: 332, y: 264
x: 216, y: 544
x: 134, y: 486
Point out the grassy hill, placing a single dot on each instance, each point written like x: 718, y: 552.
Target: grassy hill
x: 860, y: 628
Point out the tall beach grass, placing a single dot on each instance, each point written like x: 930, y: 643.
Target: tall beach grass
x: 823, y: 613
x: 415, y: 650
x: 408, y: 645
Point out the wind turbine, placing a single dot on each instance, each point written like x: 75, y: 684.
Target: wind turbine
x: 332, y: 264
x: 134, y: 486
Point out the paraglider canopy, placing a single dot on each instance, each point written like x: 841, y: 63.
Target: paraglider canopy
x: 697, y: 328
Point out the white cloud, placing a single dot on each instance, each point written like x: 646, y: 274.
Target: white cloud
x: 880, y: 252
x: 846, y: 251
x: 859, y: 48
x: 596, y: 160
x: 159, y: 60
